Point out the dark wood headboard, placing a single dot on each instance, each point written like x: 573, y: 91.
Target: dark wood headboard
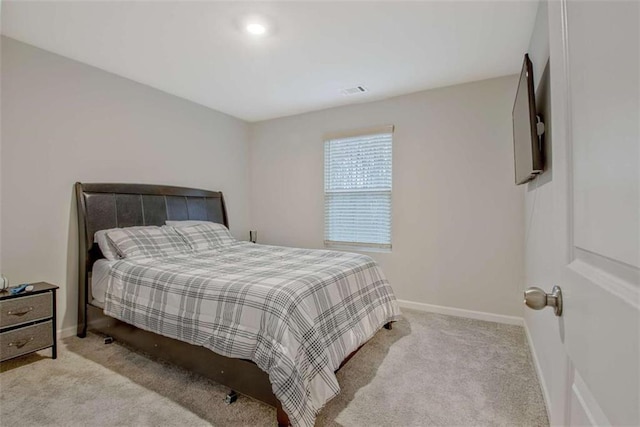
x: 104, y: 206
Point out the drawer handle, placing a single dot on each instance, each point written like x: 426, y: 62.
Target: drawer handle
x: 21, y: 343
x: 20, y: 311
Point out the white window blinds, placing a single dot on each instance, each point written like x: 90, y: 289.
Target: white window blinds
x: 357, y: 190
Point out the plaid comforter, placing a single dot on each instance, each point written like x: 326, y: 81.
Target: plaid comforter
x: 296, y: 313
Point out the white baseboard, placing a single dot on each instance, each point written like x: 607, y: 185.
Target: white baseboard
x: 460, y: 312
x: 536, y: 364
x: 66, y: 332
x: 430, y: 308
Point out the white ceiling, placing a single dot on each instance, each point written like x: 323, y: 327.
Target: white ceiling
x: 197, y: 51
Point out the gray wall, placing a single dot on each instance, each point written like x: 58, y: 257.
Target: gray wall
x: 457, y: 217
x: 63, y: 122
x: 458, y: 231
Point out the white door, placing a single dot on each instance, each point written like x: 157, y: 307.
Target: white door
x: 589, y: 215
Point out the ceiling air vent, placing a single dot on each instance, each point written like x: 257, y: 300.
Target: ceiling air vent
x: 355, y: 90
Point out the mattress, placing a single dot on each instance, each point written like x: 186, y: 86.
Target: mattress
x: 100, y: 281
x: 296, y: 313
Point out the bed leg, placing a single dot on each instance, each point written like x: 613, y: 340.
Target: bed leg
x: 389, y: 326
x: 82, y: 331
x: 283, y: 418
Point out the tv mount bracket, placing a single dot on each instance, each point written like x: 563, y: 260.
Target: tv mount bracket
x: 539, y: 126
x: 539, y: 130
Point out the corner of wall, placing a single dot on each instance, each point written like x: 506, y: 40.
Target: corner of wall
x: 251, y: 140
x: 539, y: 43
x: 1, y: 127
x: 538, y: 368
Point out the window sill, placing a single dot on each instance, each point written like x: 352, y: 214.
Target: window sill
x: 355, y: 248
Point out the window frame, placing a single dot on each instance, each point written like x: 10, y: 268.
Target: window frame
x: 361, y: 246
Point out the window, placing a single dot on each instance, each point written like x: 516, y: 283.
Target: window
x: 357, y: 189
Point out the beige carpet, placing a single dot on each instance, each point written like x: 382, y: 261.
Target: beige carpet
x: 429, y: 370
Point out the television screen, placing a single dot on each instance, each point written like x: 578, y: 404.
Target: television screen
x: 526, y: 144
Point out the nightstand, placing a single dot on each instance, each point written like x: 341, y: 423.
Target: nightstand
x: 28, y: 321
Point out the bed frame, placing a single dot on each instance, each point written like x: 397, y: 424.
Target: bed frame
x: 104, y: 206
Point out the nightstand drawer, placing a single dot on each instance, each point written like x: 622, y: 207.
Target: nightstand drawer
x: 25, y: 340
x: 25, y: 309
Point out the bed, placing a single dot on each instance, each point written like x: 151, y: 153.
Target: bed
x: 262, y: 325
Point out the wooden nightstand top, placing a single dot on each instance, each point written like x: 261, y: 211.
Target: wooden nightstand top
x: 38, y: 288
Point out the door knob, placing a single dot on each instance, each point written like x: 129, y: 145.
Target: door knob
x: 538, y: 299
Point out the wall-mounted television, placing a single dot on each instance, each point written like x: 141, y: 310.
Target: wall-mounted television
x: 527, y: 128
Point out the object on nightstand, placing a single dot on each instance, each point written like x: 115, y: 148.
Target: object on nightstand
x: 28, y: 320
x: 4, y: 282
x: 253, y: 236
x: 19, y: 289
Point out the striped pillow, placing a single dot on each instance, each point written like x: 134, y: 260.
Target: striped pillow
x: 148, y: 242
x: 106, y: 247
x: 202, y: 237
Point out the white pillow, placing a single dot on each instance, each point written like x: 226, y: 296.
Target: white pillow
x: 108, y: 250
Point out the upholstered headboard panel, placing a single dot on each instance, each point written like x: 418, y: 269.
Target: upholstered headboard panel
x: 103, y: 206
x: 125, y: 205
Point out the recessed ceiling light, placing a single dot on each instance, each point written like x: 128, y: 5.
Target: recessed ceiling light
x: 256, y: 29
x: 256, y: 25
